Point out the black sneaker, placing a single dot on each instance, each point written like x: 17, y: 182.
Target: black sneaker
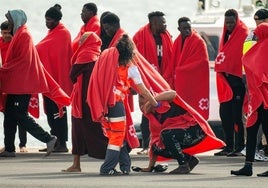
x: 235, y: 153
x: 193, y: 161
x: 125, y: 172
x: 264, y: 174
x: 245, y: 171
x: 112, y: 172
x: 182, y: 169
x: 223, y: 152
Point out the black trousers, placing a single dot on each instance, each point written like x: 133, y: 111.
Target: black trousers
x: 253, y: 131
x: 231, y: 115
x: 16, y: 113
x: 22, y: 136
x: 145, y: 132
x: 59, y: 126
x: 177, y: 139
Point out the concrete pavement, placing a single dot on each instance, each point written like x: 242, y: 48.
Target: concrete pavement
x: 33, y: 170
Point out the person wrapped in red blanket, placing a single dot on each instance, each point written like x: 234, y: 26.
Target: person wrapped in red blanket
x: 23, y: 75
x: 154, y: 42
x: 256, y: 68
x: 91, y: 23
x: 189, y: 70
x: 55, y: 52
x: 87, y: 136
x: 113, y: 32
x: 177, y: 131
x: 230, y: 86
x: 107, y: 100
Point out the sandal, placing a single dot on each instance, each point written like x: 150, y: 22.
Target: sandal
x: 143, y: 152
x: 157, y: 168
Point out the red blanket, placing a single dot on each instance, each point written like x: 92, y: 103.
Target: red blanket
x: 210, y: 141
x: 116, y: 37
x: 229, y: 57
x: 156, y: 84
x: 23, y: 72
x: 88, y: 52
x: 255, y: 64
x: 3, y: 49
x: 146, y: 45
x: 100, y: 92
x: 92, y: 25
x: 55, y: 52
x: 189, y: 72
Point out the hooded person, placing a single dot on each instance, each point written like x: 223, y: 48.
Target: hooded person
x: 21, y: 76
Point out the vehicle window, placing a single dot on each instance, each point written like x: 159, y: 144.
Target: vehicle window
x: 212, y: 42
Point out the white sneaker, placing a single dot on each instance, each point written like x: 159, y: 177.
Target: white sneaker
x: 51, y: 144
x: 243, y: 152
x: 260, y: 157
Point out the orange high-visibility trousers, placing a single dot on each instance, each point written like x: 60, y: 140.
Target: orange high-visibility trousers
x: 116, y: 133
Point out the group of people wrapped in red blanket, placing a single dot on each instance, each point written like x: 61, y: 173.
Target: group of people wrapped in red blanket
x: 169, y: 97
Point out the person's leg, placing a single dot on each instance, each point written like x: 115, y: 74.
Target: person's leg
x: 250, y: 148
x: 116, y: 134
x: 30, y: 125
x: 124, y: 159
x: 228, y: 127
x: 145, y: 132
x: 49, y: 111
x: 173, y: 145
x: 78, y: 144
x: 23, y: 139
x: 265, y: 131
x: 62, y: 132
x: 75, y: 166
x: 57, y: 124
x: 10, y: 126
x: 238, y: 102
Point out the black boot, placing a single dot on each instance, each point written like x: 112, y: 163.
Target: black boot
x: 245, y: 171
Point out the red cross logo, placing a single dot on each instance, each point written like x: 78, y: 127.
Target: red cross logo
x: 220, y: 58
x: 204, y: 104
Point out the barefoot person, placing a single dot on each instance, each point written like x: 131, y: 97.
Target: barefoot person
x: 87, y: 136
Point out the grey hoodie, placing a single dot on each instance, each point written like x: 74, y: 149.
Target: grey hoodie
x: 19, y: 18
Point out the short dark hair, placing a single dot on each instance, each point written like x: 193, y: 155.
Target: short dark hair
x: 103, y: 15
x: 125, y: 47
x: 261, y: 14
x: 91, y: 7
x: 111, y: 18
x: 183, y: 19
x: 231, y: 12
x: 155, y: 14
x: 54, y: 12
x: 4, y: 25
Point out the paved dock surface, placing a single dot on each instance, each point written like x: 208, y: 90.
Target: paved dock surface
x: 33, y: 170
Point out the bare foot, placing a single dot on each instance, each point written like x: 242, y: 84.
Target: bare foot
x: 2, y: 149
x: 23, y: 150
x: 72, y: 169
